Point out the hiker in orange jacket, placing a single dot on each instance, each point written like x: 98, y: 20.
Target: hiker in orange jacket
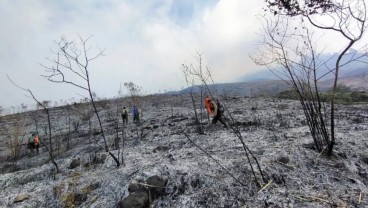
x: 34, y: 142
x: 214, y: 109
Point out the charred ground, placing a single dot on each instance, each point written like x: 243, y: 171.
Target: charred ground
x: 275, y: 130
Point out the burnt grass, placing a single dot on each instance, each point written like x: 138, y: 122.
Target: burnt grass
x: 274, y: 130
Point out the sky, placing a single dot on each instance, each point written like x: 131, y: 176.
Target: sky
x: 144, y: 42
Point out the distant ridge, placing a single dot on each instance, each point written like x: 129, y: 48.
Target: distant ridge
x: 357, y: 81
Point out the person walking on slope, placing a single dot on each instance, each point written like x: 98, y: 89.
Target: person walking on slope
x: 34, y: 143
x: 135, y: 115
x: 124, y: 116
x: 217, y: 113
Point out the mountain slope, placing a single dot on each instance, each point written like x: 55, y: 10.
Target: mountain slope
x: 357, y: 80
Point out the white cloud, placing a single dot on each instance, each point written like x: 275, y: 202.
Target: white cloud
x: 145, y: 42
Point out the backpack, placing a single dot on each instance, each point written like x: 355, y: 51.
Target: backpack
x: 219, y: 106
x: 212, y: 107
x: 125, y: 112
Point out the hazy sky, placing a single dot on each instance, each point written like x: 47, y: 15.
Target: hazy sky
x: 144, y: 42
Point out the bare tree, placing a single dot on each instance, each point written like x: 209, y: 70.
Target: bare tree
x: 46, y: 109
x: 193, y: 74
x: 300, y: 70
x: 135, y: 92
x: 293, y: 48
x: 71, y: 63
x: 118, y: 103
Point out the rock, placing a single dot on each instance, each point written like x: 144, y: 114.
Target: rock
x: 363, y: 174
x: 161, y: 148
x: 96, y: 133
x: 283, y: 160
x: 147, y: 128
x: 238, y: 112
x: 180, y: 119
x: 84, y: 134
x: 365, y: 159
x: 340, y: 166
x: 138, y: 195
x: 103, y: 158
x: 156, y: 186
x: 75, y: 163
x: 260, y: 152
x: 196, y: 182
x: 79, y: 198
x: 342, y: 154
x: 21, y: 197
x: 91, y: 187
x: 134, y: 187
x: 309, y: 146
x: 278, y: 178
x: 135, y: 200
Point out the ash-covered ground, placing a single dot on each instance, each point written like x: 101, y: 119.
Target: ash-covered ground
x: 274, y: 130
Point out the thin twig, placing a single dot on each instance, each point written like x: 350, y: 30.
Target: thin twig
x: 265, y: 186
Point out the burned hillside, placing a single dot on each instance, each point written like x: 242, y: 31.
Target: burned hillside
x: 161, y: 167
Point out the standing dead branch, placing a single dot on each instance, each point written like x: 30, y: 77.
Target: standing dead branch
x: 292, y: 48
x: 71, y: 66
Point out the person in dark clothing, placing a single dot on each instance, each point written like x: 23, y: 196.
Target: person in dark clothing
x: 135, y: 115
x: 124, y: 116
x: 34, y: 143
x: 217, y: 112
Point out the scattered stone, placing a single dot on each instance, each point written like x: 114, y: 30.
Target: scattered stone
x: 79, y: 198
x: 365, y: 159
x: 260, y: 152
x: 180, y: 119
x: 135, y: 187
x: 147, y: 128
x: 75, y: 163
x: 342, y: 154
x: 102, y: 158
x: 157, y: 186
x: 309, y: 146
x: 196, y: 182
x: 283, y: 159
x: 91, y: 187
x: 340, y: 166
x: 238, y: 112
x: 96, y: 133
x: 279, y: 179
x: 21, y: 197
x: 83, y: 134
x: 162, y: 148
x: 135, y: 200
